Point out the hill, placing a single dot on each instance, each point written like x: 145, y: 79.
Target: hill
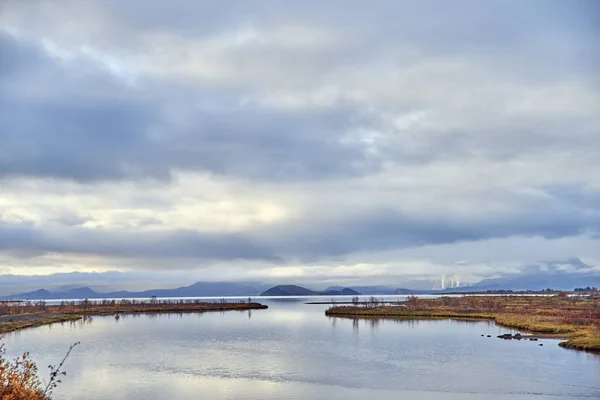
x: 343, y: 292
x: 380, y: 290
x: 289, y: 290
x: 404, y: 291
x: 293, y: 290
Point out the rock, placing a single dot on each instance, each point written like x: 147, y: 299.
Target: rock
x: 533, y: 339
x: 541, y: 344
x: 489, y: 335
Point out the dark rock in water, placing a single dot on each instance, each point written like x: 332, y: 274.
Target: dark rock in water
x: 541, y: 344
x: 489, y: 335
x: 482, y: 335
x: 533, y: 339
x: 508, y: 336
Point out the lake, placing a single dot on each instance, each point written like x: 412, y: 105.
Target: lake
x: 293, y: 351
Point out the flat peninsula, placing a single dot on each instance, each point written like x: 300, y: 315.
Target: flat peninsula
x: 573, y: 318
x: 15, y: 315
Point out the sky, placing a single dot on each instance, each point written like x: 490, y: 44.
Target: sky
x: 340, y: 141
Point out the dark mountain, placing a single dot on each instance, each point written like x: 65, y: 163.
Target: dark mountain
x: 198, y: 289
x: 35, y: 295
x: 343, y: 292
x: 78, y: 293
x: 289, y: 290
x: 293, y: 290
x: 207, y: 289
x: 404, y: 291
x: 366, y: 289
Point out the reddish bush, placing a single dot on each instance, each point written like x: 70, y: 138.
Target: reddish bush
x: 19, y: 379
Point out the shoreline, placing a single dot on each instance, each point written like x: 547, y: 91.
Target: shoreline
x: 48, y: 315
x: 541, y: 318
x: 17, y: 322
x: 347, y: 302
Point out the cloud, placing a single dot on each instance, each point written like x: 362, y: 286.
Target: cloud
x: 92, y: 135
x: 27, y: 240
x: 293, y: 133
x: 304, y: 238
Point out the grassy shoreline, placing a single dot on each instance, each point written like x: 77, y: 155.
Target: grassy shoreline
x: 574, y: 319
x: 20, y: 316
x: 35, y: 320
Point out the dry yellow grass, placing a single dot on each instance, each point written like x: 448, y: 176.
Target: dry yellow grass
x: 576, y: 319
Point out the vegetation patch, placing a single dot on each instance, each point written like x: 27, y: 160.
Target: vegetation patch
x: 575, y: 318
x: 15, y: 315
x: 33, y: 320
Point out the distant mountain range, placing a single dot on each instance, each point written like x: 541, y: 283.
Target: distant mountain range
x: 558, y: 275
x: 198, y: 289
x: 293, y: 290
x: 223, y: 289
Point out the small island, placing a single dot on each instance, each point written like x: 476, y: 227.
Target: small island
x: 574, y: 318
x: 294, y: 290
x: 15, y: 315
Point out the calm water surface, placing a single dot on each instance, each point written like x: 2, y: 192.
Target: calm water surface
x: 292, y: 351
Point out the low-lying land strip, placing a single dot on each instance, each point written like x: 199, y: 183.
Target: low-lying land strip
x: 19, y: 315
x: 576, y: 318
x: 347, y: 302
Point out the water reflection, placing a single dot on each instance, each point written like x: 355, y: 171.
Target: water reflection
x: 292, y: 350
x: 410, y: 322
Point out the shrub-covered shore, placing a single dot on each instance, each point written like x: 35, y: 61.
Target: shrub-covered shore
x: 20, y: 315
x: 574, y: 318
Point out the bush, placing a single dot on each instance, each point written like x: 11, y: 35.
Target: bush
x: 19, y: 379
x: 412, y: 302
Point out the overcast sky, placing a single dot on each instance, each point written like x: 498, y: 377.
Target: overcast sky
x: 286, y: 140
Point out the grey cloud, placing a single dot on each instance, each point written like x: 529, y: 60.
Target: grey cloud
x: 444, y: 25
x: 27, y: 239
x: 308, y: 238
x: 91, y: 137
x: 103, y: 130
x: 71, y: 219
x: 78, y: 119
x: 13, y: 56
x: 381, y: 230
x: 78, y: 140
